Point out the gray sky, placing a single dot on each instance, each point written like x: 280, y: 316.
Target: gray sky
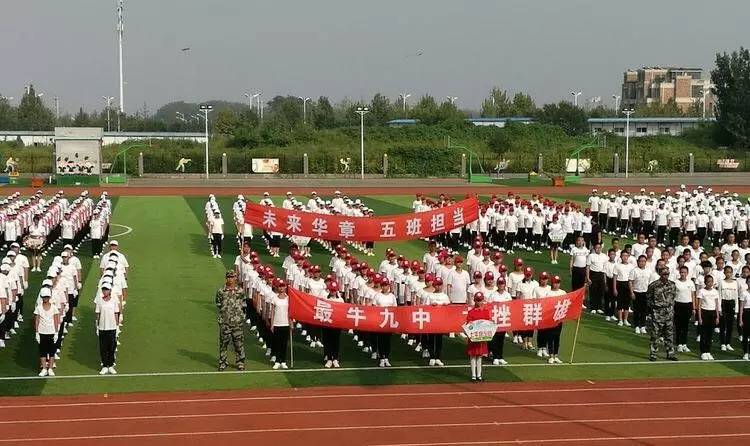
x: 351, y: 48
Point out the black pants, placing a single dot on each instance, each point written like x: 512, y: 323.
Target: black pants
x: 682, y: 314
x: 610, y: 301
x: 647, y: 227
x: 216, y: 243
x: 384, y: 345
x: 639, y: 309
x: 623, y: 295
x: 436, y: 345
x: 280, y: 343
x: 726, y: 322
x: 497, y: 344
x: 746, y: 331
x: 510, y: 238
x: 701, y: 235
x: 542, y: 335
x: 107, y: 344
x: 596, y: 290
x: 96, y: 246
x: 707, y: 329
x: 46, y: 346
x: 67, y: 241
x: 674, y: 234
x: 553, y: 340
x: 578, y: 278
x: 661, y: 232
x: 331, y: 342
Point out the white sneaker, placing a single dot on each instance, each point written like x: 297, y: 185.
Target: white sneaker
x: 336, y: 364
x: 104, y: 371
x: 273, y: 359
x: 304, y: 333
x: 360, y: 344
x: 627, y: 324
x: 50, y: 372
x: 75, y: 319
x: 710, y: 357
x: 426, y: 354
x: 746, y: 357
x: 452, y: 335
x: 308, y: 338
x: 382, y: 363
x: 374, y: 355
x: 495, y: 362
x: 328, y: 364
x: 276, y: 366
x: 540, y: 353
x: 112, y: 371
x: 619, y: 323
x: 685, y: 349
x: 44, y: 372
x: 558, y: 360
x: 283, y: 364
x: 319, y: 344
x: 439, y: 363
x: 730, y: 348
x: 716, y: 330
x: 637, y: 330
x: 404, y: 336
x: 551, y: 361
x: 2, y: 343
x: 503, y: 362
x: 679, y: 348
x: 410, y: 342
x: 20, y: 318
x: 723, y: 347
x: 432, y: 362
x: 545, y: 353
x: 607, y: 318
x: 387, y: 362
x: 593, y: 311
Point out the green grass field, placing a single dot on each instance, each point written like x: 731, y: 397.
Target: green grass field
x: 170, y: 337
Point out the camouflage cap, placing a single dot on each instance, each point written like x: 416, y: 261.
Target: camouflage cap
x: 230, y: 273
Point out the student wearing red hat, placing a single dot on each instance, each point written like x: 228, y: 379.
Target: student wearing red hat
x: 332, y: 336
x: 280, y: 323
x: 458, y: 282
x: 553, y: 335
x: 477, y: 350
x: 500, y: 295
x: 540, y: 292
x: 385, y: 298
x: 525, y: 290
x: 476, y: 284
x: 435, y: 341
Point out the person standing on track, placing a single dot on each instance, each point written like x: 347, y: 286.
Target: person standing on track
x: 477, y: 350
x: 230, y: 302
x: 660, y: 299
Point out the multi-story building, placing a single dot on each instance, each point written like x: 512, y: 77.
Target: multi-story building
x: 660, y: 85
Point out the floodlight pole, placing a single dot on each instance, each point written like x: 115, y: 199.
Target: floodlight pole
x: 206, y: 108
x: 627, y: 140
x: 362, y: 111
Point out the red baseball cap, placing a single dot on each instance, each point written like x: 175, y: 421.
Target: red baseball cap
x: 333, y: 287
x: 478, y: 296
x: 437, y: 282
x: 518, y: 261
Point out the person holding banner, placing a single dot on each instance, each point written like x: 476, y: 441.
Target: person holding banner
x: 477, y: 350
x: 553, y: 334
x: 525, y: 290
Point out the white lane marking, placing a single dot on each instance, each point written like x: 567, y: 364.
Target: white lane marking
x: 127, y: 230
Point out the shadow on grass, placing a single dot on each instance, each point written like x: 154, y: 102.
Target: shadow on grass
x: 203, y: 358
x: 84, y: 347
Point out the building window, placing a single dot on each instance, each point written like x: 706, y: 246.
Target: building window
x: 641, y: 130
x: 666, y: 131
x: 619, y: 129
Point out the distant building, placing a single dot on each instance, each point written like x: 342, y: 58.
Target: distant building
x: 645, y: 126
x: 497, y: 122
x: 37, y: 138
x: 659, y: 85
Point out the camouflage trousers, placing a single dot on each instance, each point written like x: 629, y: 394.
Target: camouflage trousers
x: 234, y: 334
x: 660, y: 325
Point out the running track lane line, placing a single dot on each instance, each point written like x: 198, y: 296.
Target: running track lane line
x: 384, y: 426
x: 359, y: 369
x: 377, y: 395
x: 369, y: 410
x: 572, y: 440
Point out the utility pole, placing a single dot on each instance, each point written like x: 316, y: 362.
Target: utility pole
x: 362, y: 111
x: 627, y: 140
x: 120, y: 31
x: 205, y: 108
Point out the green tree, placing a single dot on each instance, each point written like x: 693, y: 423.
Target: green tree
x: 287, y: 108
x: 323, y: 116
x: 523, y: 105
x: 498, y: 104
x: 81, y: 119
x: 381, y: 110
x: 226, y: 122
x: 426, y: 111
x: 33, y: 114
x: 731, y: 79
x: 571, y: 119
x: 7, y: 115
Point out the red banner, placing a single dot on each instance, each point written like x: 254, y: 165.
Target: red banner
x: 516, y: 315
x: 338, y: 227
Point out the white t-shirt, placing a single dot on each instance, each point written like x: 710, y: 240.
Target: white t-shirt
x: 708, y: 298
x: 596, y: 262
x: 459, y: 282
x: 67, y: 229
x: 46, y: 319
x: 385, y: 300
x: 579, y: 256
x: 107, y: 311
x: 641, y: 278
x: 280, y: 312
x: 497, y: 296
x: 216, y: 225
x: 685, y: 290
x: 622, y: 271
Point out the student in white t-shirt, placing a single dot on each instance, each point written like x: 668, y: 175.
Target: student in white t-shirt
x: 744, y: 319
x: 107, y: 319
x: 47, y: 326
x: 279, y: 325
x: 458, y: 282
x: 708, y: 315
x: 385, y: 299
x: 621, y: 289
x: 215, y: 228
x: 684, y: 308
x: 499, y: 295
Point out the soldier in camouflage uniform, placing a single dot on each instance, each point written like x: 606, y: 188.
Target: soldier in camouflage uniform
x: 660, y: 320
x: 230, y: 301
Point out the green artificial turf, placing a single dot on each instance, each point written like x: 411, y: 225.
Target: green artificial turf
x: 170, y: 323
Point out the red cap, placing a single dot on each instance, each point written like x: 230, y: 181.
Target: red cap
x: 478, y: 296
x: 503, y: 269
x: 415, y: 264
x: 518, y: 261
x: 315, y: 269
x: 280, y: 283
x: 328, y: 278
x: 500, y: 281
x: 420, y: 270
x: 496, y: 255
x: 429, y: 277
x: 353, y: 262
x: 543, y: 275
x: 488, y: 276
x: 333, y: 287
x: 384, y: 281
x: 528, y: 271
x: 437, y: 282
x: 477, y: 245
x: 555, y: 279
x: 477, y: 274
x: 486, y: 252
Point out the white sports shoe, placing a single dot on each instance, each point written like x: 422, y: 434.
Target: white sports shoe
x: 558, y: 360
x: 439, y: 363
x: 627, y: 324
x: 685, y: 349
x: 276, y: 366
x: 50, y: 372
x: 503, y: 362
x: 268, y: 352
x: 328, y: 364
x: 426, y: 354
x: 387, y: 362
x: 283, y: 364
x: 495, y: 362
x: 723, y: 347
x: 710, y: 357
x: 432, y: 362
x: 104, y: 371
x: 112, y: 371
x: 619, y: 323
x: 319, y: 344
x: 679, y: 348
x: 382, y: 363
x: 730, y: 348
x: 43, y: 372
x: 551, y: 361
x: 336, y: 364
x: 746, y: 357
x: 374, y: 355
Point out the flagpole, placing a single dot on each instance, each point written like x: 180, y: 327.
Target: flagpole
x: 575, y: 338
x: 291, y: 343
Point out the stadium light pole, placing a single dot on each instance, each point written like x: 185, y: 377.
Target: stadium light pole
x: 304, y: 108
x: 108, y: 100
x: 57, y: 108
x: 404, y: 96
x: 250, y: 98
x: 627, y: 112
x: 206, y: 109
x: 362, y: 111
x: 120, y: 32
x: 617, y: 103
x: 575, y: 97
x: 452, y: 99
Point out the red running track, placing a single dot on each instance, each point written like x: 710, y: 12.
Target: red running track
x: 663, y: 412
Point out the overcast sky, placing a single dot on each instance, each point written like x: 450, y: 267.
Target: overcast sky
x: 352, y: 48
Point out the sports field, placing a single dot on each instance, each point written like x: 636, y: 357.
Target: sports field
x: 169, y: 340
